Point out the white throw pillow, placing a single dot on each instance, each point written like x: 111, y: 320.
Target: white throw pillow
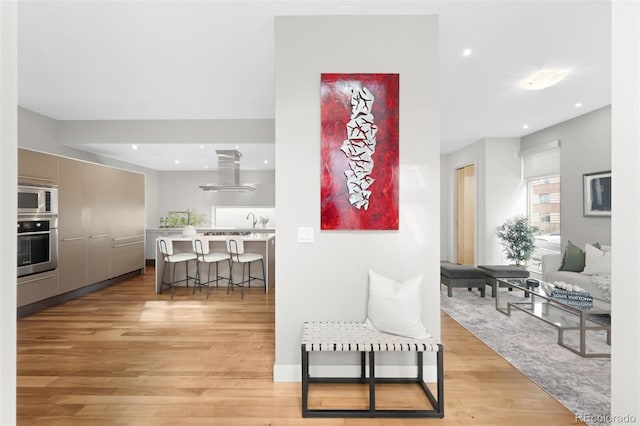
x: 596, y: 261
x: 394, y: 307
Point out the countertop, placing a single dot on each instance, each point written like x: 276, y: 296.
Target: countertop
x: 218, y: 229
x: 254, y: 236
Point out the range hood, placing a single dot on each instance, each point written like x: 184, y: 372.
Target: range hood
x: 228, y: 173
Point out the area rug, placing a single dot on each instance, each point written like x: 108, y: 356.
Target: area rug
x: 583, y: 385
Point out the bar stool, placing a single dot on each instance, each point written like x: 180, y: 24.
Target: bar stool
x: 165, y: 245
x: 201, y: 248
x: 235, y: 248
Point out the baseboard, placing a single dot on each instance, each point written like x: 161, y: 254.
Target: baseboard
x: 65, y: 297
x: 293, y: 372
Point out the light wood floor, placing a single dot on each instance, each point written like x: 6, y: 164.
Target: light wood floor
x: 126, y: 356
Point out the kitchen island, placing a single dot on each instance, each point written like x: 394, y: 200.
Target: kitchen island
x: 260, y: 243
x: 152, y: 235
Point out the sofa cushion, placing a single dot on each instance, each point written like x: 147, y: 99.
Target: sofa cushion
x: 596, y: 261
x: 573, y: 258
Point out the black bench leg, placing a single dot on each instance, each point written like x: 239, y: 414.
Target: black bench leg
x: 440, y: 375
x: 372, y: 383
x: 305, y: 381
x: 449, y: 293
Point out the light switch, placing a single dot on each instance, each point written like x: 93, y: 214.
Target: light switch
x: 305, y: 234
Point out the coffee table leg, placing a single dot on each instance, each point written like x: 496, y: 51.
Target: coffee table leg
x: 583, y: 334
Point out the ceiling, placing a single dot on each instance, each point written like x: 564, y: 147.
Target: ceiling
x: 139, y: 60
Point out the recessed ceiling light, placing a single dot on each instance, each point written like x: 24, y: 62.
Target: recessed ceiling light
x: 177, y: 162
x: 467, y: 52
x: 266, y: 161
x: 237, y: 146
x: 201, y: 146
x: 543, y: 79
x: 134, y: 147
x: 206, y: 167
x: 578, y: 104
x: 526, y: 126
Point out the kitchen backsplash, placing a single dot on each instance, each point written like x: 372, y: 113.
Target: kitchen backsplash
x: 237, y: 216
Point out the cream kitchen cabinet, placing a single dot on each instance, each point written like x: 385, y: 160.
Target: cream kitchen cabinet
x: 99, y: 195
x: 72, y: 226
x: 36, y: 287
x: 37, y: 168
x: 101, y: 219
x: 127, y: 222
x: 101, y: 223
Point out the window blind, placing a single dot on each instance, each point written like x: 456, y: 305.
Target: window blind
x: 543, y: 160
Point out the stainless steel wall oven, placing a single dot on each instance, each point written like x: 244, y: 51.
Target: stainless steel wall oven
x: 37, y: 244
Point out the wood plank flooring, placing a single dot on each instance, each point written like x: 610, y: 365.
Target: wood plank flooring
x: 126, y: 356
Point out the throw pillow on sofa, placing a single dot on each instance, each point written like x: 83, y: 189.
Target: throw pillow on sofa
x: 573, y: 259
x: 596, y: 261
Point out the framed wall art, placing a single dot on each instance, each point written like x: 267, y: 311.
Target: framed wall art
x: 597, y: 193
x: 359, y: 151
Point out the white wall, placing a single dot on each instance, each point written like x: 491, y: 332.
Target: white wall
x: 180, y: 191
x: 445, y: 200
x: 500, y: 193
x: 164, y: 191
x: 585, y: 145
x: 41, y: 133
x: 505, y: 194
x: 625, y: 350
x: 8, y: 181
x: 327, y: 279
x: 75, y: 132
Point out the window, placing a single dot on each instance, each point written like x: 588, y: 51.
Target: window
x: 544, y: 212
x: 544, y: 198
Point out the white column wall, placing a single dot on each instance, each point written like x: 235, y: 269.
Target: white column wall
x: 327, y: 279
x: 8, y: 182
x: 625, y: 223
x: 445, y: 200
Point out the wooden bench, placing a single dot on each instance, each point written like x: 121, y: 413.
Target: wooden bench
x: 355, y: 337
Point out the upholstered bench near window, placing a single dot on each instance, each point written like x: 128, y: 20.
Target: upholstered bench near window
x: 495, y: 272
x: 356, y: 337
x: 462, y: 276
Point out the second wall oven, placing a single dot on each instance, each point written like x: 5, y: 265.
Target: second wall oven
x: 37, y: 245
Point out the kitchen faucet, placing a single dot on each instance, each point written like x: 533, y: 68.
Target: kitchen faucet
x: 254, y: 219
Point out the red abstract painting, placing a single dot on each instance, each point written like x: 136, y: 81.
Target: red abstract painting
x: 359, y: 151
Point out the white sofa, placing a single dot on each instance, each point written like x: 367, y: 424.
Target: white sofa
x: 550, y: 273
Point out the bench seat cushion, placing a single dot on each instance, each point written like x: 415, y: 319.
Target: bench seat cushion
x: 461, y: 271
x: 355, y: 336
x: 504, y: 271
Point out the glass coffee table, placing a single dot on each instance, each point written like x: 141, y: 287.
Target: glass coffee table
x: 538, y: 302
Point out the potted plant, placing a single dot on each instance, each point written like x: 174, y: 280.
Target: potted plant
x: 518, y: 238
